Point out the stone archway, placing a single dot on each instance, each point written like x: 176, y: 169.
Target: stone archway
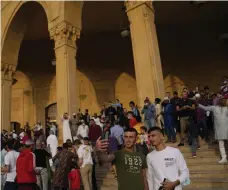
x: 22, y: 99
x: 14, y: 28
x: 173, y: 83
x: 126, y: 90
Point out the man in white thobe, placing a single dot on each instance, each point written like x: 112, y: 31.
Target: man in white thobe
x: 52, y: 143
x: 66, y: 127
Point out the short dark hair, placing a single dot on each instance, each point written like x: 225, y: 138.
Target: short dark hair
x: 117, y: 100
x: 206, y: 87
x: 86, y: 138
x: 175, y: 93
x: 131, y: 130
x: 131, y: 102
x: 65, y: 146
x: 158, y: 100
x: 59, y: 148
x: 10, y: 144
x: 117, y: 122
x: 108, y: 122
x: 156, y: 129
x: 27, y: 146
x: 130, y: 112
x: 143, y: 128
x: 77, y: 142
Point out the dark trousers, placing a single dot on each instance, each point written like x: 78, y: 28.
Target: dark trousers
x: 94, y: 180
x: 10, y: 186
x: 28, y: 186
x: 60, y: 188
x: 170, y: 132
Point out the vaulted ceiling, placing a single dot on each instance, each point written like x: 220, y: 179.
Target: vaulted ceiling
x: 103, y: 16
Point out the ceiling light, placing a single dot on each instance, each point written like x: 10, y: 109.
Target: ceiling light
x: 53, y: 62
x: 125, y: 33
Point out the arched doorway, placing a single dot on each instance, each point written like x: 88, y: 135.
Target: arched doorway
x: 51, y: 112
x: 15, y: 126
x: 20, y: 27
x: 126, y: 90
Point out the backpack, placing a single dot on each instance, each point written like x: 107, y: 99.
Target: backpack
x: 138, y: 117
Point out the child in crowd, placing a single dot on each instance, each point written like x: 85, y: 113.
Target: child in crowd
x: 143, y: 137
x: 74, y: 178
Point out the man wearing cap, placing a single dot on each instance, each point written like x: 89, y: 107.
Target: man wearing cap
x: 25, y: 168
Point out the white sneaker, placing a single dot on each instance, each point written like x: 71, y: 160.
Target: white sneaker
x: 222, y: 161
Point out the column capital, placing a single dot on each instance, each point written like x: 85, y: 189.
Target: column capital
x: 130, y: 5
x: 7, y: 71
x: 64, y: 33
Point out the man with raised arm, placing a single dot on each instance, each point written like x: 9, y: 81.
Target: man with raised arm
x: 130, y: 166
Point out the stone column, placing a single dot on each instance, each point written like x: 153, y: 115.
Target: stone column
x: 147, y: 60
x: 65, y: 35
x: 7, y: 73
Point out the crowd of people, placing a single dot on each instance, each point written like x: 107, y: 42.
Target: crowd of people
x: 133, y: 141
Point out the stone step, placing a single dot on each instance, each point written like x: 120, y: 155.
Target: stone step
x: 109, y: 181
x: 104, y: 187
x: 200, y: 159
x: 208, y: 167
x: 209, y: 174
x: 200, y: 153
x: 209, y: 183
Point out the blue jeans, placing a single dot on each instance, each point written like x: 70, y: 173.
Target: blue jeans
x: 171, y: 134
x: 195, y: 144
x: 149, y: 123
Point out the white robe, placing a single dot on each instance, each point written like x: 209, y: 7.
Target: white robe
x: 53, y: 142
x: 66, y: 129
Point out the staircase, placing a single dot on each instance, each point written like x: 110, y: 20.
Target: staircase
x: 205, y: 172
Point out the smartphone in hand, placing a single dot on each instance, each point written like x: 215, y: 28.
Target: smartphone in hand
x: 105, y: 135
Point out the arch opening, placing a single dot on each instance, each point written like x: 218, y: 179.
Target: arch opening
x: 20, y: 28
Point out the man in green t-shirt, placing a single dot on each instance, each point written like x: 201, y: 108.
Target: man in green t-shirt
x: 130, y: 165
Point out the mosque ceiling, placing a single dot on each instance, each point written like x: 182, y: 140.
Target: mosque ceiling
x: 108, y: 16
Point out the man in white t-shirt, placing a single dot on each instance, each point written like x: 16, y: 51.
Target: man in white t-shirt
x: 86, y: 163
x: 10, y: 167
x: 22, y: 134
x: 83, y: 130
x: 166, y: 165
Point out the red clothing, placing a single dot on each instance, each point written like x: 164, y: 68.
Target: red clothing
x: 25, y: 138
x: 25, y: 167
x: 94, y: 132
x: 132, y: 122
x: 74, y: 178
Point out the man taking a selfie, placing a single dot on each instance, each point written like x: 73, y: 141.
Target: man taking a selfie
x: 130, y: 166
